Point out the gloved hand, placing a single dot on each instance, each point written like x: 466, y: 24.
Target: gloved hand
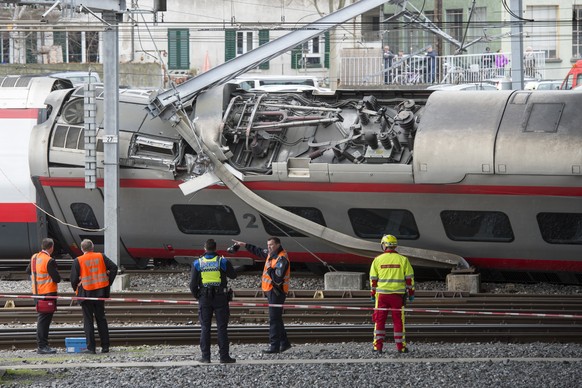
x: 373, y: 296
x: 411, y: 298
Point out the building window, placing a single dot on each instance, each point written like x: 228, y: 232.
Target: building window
x: 543, y: 32
x: 178, y: 49
x: 561, y: 228
x: 461, y: 225
x: 5, y: 47
x: 577, y: 31
x: 205, y: 219
x: 371, y: 26
x: 84, y: 216
x: 244, y: 42
x: 32, y: 45
x: 478, y: 21
x: 237, y: 43
x: 454, y: 20
x: 77, y: 46
x: 390, y: 35
x: 277, y: 229
x: 374, y: 223
x: 311, y: 54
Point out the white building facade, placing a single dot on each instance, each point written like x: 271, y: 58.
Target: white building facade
x: 192, y: 36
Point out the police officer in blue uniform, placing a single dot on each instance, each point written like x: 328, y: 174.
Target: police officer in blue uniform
x: 208, y: 284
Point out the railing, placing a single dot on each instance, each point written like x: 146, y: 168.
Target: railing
x: 452, y: 69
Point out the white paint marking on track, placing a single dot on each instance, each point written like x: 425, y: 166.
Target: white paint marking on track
x: 386, y: 360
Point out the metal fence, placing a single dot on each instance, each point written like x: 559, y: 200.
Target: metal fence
x: 450, y: 69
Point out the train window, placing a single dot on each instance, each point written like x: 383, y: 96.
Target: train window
x: 374, y: 223
x: 205, y: 219
x: 73, y: 137
x: 84, y: 216
x: 277, y: 229
x: 543, y: 117
x: 462, y: 225
x: 60, y: 136
x: 561, y: 228
x: 68, y: 137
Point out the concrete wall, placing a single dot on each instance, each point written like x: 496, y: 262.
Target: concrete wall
x: 130, y: 74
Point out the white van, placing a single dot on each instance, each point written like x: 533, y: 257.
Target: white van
x: 78, y: 77
x: 279, y: 83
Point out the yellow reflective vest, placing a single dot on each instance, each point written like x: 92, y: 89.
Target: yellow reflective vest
x: 210, y: 271
x: 391, y: 273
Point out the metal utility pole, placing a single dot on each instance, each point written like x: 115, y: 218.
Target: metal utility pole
x: 438, y: 18
x: 110, y: 10
x: 516, y: 45
x: 111, y: 138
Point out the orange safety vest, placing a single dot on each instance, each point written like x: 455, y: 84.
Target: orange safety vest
x: 44, y: 282
x: 266, y: 281
x: 93, y: 271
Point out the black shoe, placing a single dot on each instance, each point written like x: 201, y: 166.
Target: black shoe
x: 204, y: 360
x: 87, y: 351
x: 285, y: 348
x: 46, y: 350
x: 270, y: 351
x: 227, y: 360
x: 377, y: 351
x: 104, y: 350
x: 403, y: 350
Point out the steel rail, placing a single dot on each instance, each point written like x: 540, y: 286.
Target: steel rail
x: 188, y: 335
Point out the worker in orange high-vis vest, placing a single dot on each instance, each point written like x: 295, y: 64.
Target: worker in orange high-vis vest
x: 275, y: 285
x: 44, y: 276
x: 392, y: 282
x: 91, y: 276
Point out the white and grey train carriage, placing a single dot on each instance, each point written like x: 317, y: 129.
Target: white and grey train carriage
x: 493, y: 177
x: 22, y: 105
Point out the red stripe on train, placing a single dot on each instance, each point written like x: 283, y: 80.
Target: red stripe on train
x: 341, y: 187
x: 31, y: 113
x: 343, y: 258
x: 17, y: 212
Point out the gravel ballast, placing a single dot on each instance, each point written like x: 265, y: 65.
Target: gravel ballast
x: 323, y: 365
x: 346, y: 364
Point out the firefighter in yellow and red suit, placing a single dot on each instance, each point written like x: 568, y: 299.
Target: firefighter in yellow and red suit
x: 392, y: 283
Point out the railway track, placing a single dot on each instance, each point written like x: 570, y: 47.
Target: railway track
x: 177, y: 324
x: 188, y: 335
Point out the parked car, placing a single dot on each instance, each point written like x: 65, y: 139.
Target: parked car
x: 504, y: 82
x: 78, y: 77
x: 543, y: 85
x: 472, y: 86
x: 549, y: 85
x: 574, y: 76
x: 276, y: 83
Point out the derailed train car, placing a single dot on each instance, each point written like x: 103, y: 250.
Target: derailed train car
x: 21, y: 107
x: 494, y: 177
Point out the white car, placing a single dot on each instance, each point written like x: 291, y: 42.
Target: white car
x: 549, y: 85
x: 78, y: 77
x: 277, y: 83
x: 472, y: 86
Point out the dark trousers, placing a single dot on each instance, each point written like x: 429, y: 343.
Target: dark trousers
x: 277, y: 333
x: 95, y: 309
x: 43, y: 324
x: 207, y: 305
